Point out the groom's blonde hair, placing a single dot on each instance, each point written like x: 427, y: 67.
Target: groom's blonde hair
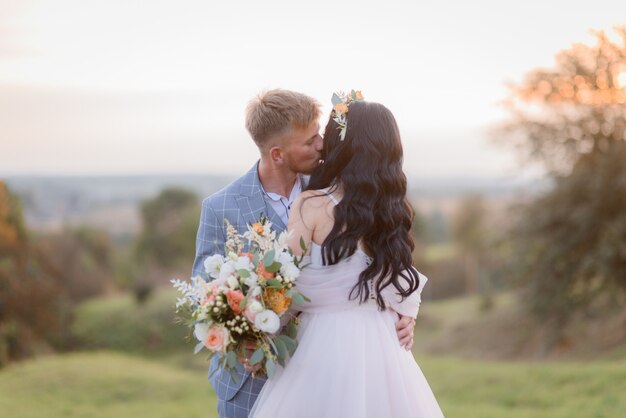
x: 273, y: 113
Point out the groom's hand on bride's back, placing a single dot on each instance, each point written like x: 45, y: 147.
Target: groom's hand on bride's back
x: 404, y: 328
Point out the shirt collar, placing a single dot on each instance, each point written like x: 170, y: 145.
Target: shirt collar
x: 295, y: 191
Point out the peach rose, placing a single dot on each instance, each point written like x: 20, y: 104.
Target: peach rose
x: 234, y: 297
x: 217, y: 338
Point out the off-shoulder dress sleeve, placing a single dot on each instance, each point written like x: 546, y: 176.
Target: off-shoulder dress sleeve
x: 409, y: 306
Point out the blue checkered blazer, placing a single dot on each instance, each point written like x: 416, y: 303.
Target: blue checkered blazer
x: 242, y: 203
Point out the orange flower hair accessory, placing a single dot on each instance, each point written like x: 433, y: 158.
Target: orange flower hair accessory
x: 341, y: 103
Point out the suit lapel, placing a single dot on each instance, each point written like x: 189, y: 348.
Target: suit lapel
x: 252, y: 204
x: 251, y: 207
x: 276, y: 220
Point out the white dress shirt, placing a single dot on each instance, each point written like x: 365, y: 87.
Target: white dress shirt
x: 282, y: 204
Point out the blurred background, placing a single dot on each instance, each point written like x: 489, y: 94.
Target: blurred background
x: 118, y: 117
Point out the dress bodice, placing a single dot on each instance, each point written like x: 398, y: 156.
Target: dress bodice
x: 329, y: 286
x: 315, y: 258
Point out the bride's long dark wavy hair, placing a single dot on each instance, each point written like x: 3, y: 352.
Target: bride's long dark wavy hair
x: 374, y: 210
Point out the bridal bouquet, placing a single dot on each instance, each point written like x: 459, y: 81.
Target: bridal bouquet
x: 242, y: 308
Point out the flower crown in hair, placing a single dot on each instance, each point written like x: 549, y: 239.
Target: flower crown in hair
x: 341, y: 102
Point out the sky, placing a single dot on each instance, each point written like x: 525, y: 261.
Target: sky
x: 143, y: 87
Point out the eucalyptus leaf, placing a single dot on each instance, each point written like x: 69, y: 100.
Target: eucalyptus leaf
x: 335, y: 99
x: 274, y: 267
x: 302, y: 244
x: 298, y: 299
x: 269, y: 258
x: 243, y: 302
x: 243, y: 273
x: 290, y: 344
x: 292, y: 330
x: 270, y: 367
x: 274, y: 349
x: 198, y: 347
x: 257, y: 356
x: 231, y: 359
x: 274, y: 283
x: 282, y: 350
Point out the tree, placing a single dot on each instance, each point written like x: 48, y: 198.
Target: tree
x: 32, y: 314
x: 570, y: 243
x: 82, y: 257
x: 471, y: 238
x: 167, y: 241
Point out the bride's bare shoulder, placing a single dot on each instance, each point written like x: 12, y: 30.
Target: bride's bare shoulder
x: 313, y: 208
x: 311, y: 199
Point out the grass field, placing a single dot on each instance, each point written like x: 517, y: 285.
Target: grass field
x: 103, y: 384
x: 110, y: 384
x: 145, y: 368
x: 477, y: 389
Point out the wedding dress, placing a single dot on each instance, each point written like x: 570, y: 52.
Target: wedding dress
x: 349, y: 362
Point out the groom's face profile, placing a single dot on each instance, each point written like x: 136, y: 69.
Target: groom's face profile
x: 302, y: 148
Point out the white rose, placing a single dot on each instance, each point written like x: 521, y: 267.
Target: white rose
x: 219, y: 282
x: 256, y: 291
x: 243, y: 263
x: 255, y: 307
x: 213, y: 264
x: 201, y: 330
x: 284, y: 258
x: 233, y: 283
x: 226, y: 270
x: 290, y: 270
x: 281, y: 242
x: 253, y: 280
x: 267, y: 321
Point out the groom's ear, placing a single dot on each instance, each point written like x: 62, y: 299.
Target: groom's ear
x: 276, y: 154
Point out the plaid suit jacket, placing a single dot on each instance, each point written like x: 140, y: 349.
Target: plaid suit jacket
x: 242, y: 203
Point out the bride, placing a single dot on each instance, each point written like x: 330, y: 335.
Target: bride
x: 359, y: 278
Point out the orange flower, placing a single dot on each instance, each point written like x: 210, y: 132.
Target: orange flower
x: 341, y: 108
x: 358, y: 94
x: 276, y: 300
x: 262, y: 272
x: 234, y: 297
x: 258, y: 228
x: 249, y: 255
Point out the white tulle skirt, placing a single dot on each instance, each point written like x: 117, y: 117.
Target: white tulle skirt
x: 349, y: 363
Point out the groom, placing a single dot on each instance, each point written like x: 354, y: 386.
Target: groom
x: 285, y: 127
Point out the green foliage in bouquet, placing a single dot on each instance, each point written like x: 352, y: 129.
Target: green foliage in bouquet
x: 245, y: 311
